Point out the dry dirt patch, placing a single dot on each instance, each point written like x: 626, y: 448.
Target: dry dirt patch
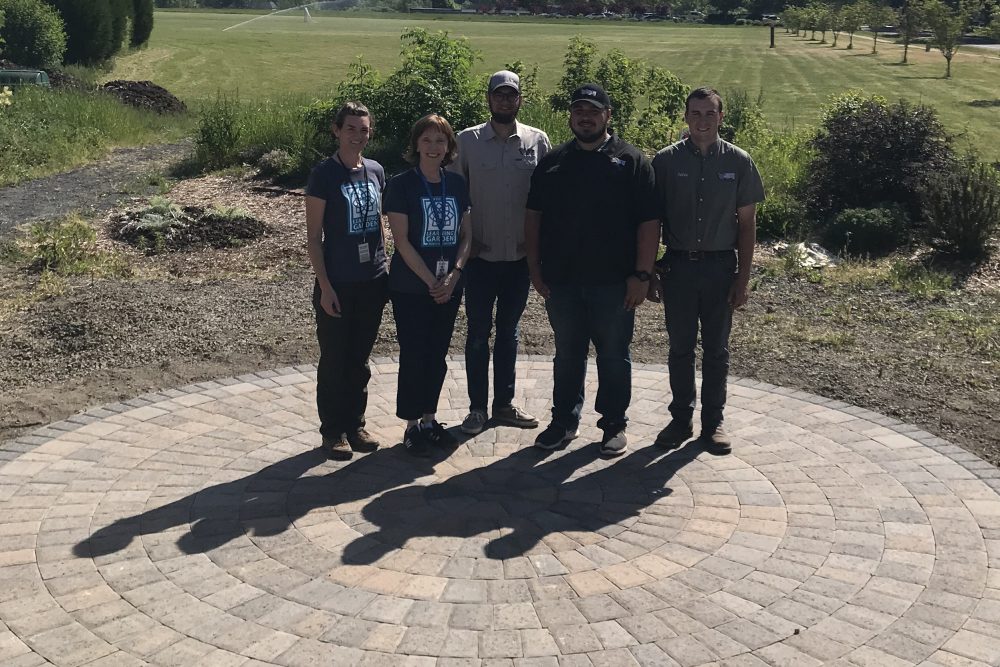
x: 190, y: 316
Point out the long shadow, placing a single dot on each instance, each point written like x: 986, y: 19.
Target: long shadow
x: 526, y: 493
x: 519, y: 501
x: 266, y: 502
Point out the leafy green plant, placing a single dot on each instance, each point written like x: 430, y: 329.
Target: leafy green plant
x: 869, y: 153
x: 220, y: 131
x: 963, y: 209
x: 32, y: 33
x: 64, y: 245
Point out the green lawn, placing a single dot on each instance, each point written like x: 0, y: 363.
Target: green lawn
x: 191, y: 55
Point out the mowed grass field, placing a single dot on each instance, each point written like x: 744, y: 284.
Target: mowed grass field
x: 191, y: 55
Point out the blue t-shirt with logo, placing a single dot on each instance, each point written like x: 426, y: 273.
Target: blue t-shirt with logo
x: 352, y: 217
x: 432, y: 223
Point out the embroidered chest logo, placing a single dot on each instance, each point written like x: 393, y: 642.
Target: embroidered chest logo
x: 527, y: 152
x: 727, y: 176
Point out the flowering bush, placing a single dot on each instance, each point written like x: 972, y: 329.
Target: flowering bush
x: 6, y: 97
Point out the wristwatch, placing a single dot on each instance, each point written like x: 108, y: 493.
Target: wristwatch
x: 643, y: 276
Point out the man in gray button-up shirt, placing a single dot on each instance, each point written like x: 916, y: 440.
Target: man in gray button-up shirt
x: 497, y: 159
x: 709, y: 190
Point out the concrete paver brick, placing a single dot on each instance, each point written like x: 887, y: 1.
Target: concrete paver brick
x: 200, y: 525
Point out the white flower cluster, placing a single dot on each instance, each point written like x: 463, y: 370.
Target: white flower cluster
x: 6, y: 97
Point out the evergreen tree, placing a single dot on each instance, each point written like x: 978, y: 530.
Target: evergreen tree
x: 88, y: 30
x: 142, y: 21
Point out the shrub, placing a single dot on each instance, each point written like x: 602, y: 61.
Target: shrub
x: 32, y: 33
x: 743, y: 114
x: 65, y: 245
x: 869, y: 152
x: 88, y: 30
x: 142, y: 21
x: 781, y: 217
x: 220, y: 130
x: 782, y: 159
x: 121, y: 21
x: 866, y: 231
x: 963, y: 209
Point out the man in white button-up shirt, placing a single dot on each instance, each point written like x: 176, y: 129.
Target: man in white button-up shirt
x: 497, y: 159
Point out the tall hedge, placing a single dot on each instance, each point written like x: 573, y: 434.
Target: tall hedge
x: 142, y: 21
x: 32, y: 34
x: 121, y: 21
x: 88, y: 30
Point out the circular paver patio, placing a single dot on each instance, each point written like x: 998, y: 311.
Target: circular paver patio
x: 200, y: 526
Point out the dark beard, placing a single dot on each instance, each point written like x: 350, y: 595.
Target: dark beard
x: 589, y: 138
x: 502, y: 118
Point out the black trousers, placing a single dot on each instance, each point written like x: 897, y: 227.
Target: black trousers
x: 424, y: 330
x: 345, y: 344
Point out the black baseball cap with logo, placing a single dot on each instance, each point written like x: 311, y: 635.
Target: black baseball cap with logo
x: 592, y: 93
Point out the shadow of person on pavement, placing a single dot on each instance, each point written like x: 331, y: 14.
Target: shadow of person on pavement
x: 519, y: 500
x: 264, y: 503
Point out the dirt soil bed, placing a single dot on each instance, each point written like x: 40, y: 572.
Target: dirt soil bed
x: 192, y: 316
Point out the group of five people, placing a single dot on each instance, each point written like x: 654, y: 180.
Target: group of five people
x: 495, y: 210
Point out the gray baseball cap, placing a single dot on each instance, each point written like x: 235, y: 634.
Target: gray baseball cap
x: 505, y: 79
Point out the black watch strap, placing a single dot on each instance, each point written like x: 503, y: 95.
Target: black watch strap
x: 643, y: 276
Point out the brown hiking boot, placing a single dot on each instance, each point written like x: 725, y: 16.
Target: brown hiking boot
x: 716, y: 441
x: 337, y: 448
x: 676, y: 433
x: 361, y: 440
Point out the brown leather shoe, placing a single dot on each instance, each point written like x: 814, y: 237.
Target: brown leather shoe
x: 361, y: 440
x: 337, y: 448
x: 716, y: 441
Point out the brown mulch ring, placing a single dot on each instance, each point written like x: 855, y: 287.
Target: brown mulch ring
x: 188, y: 316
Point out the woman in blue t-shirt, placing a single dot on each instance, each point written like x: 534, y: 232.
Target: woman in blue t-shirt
x: 346, y: 246
x: 428, y: 211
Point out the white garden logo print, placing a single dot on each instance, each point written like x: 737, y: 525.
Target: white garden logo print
x: 448, y: 235
x: 362, y: 207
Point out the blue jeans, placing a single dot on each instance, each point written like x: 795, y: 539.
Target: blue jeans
x: 504, y: 284
x: 579, y: 315
x: 697, y: 292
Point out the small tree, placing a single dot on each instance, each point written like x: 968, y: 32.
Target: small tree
x: 33, y: 33
x: 836, y: 23
x: 823, y: 18
x: 579, y: 64
x: 911, y: 22
x: 948, y: 26
x: 853, y: 17
x: 877, y: 15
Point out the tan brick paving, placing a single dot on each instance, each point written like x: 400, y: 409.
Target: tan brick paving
x: 200, y: 525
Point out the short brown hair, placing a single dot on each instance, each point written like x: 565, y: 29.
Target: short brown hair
x: 431, y: 121
x: 351, y: 109
x: 704, y: 93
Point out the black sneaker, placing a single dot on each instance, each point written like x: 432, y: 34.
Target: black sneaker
x: 435, y: 434
x: 415, y: 443
x: 555, y: 435
x: 337, y: 448
x: 362, y: 441
x: 675, y: 434
x: 715, y: 441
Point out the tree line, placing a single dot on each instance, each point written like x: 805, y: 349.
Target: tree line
x: 46, y: 33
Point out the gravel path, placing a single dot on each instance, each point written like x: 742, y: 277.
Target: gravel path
x: 96, y: 187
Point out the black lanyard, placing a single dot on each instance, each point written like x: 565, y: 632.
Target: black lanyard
x: 356, y: 190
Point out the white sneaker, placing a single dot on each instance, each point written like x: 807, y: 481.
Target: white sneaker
x: 614, y: 443
x: 474, y: 423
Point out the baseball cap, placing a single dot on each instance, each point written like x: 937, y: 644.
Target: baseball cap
x: 591, y: 92
x: 507, y: 79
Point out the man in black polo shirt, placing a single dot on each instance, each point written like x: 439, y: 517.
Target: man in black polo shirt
x: 708, y: 191
x: 591, y: 235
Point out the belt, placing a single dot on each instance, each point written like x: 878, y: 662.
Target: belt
x: 699, y: 255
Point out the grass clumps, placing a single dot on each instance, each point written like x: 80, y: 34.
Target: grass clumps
x: 65, y: 246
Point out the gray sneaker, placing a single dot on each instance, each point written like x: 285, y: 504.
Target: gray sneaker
x: 554, y: 436
x: 474, y: 423
x: 614, y: 443
x: 511, y: 415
